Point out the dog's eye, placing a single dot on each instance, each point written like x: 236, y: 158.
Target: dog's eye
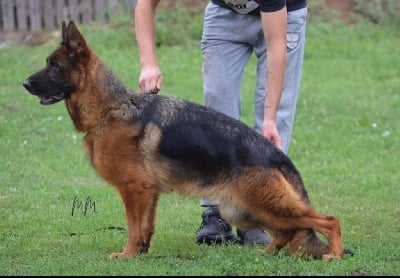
x: 55, y: 66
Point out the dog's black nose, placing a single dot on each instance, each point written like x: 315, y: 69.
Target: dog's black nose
x: 27, y: 84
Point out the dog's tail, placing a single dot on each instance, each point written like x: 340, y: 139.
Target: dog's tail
x: 307, y: 244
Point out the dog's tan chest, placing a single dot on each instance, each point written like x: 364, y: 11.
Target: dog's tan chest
x: 114, y: 154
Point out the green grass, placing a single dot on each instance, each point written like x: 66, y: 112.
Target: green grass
x: 345, y: 144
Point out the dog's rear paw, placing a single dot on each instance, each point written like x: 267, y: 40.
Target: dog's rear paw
x: 263, y: 252
x: 122, y: 255
x: 266, y: 251
x: 330, y: 258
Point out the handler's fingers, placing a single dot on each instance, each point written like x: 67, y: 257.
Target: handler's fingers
x: 271, y: 133
x: 150, y: 80
x: 159, y: 83
x: 154, y: 90
x: 277, y: 142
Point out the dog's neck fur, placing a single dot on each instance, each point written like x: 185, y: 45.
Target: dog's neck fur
x: 92, y: 101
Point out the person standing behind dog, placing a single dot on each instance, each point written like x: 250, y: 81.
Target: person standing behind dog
x: 274, y: 30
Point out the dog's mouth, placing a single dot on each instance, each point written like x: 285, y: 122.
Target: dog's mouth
x: 47, y: 100
x: 50, y: 96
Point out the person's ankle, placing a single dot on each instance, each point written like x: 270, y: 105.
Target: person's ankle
x: 253, y: 237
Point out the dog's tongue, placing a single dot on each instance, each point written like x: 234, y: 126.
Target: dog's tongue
x: 51, y: 99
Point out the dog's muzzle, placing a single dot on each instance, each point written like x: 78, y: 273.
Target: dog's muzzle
x: 44, y: 100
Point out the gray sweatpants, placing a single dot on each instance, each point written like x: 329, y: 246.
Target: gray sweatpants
x: 229, y: 39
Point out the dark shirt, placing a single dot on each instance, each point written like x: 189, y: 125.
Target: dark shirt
x: 255, y: 6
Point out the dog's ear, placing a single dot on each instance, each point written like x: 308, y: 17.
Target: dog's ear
x: 64, y: 33
x: 74, y: 41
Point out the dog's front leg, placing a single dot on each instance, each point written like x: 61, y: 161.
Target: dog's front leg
x: 140, y: 202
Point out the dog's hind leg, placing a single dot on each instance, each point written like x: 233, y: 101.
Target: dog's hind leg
x: 274, y: 204
x: 306, y: 242
x: 329, y: 226
x: 280, y: 238
x: 140, y: 202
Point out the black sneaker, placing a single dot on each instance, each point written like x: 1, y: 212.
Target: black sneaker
x: 214, y: 229
x: 253, y: 237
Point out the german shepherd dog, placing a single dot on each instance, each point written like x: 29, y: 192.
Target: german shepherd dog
x: 147, y: 144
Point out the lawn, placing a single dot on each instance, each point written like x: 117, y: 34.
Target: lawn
x: 57, y: 217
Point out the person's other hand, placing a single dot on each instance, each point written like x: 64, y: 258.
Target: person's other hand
x: 270, y: 131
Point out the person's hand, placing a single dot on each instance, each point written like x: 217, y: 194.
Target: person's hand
x: 150, y: 80
x: 270, y: 131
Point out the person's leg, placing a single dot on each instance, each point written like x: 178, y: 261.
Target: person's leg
x: 257, y: 41
x: 224, y: 59
x: 260, y: 50
x: 226, y: 48
x: 287, y: 108
x: 225, y: 55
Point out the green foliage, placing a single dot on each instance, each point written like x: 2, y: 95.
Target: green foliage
x: 179, y: 26
x: 380, y: 11
x: 345, y: 144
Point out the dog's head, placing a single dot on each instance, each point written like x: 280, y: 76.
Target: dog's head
x: 61, y: 75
